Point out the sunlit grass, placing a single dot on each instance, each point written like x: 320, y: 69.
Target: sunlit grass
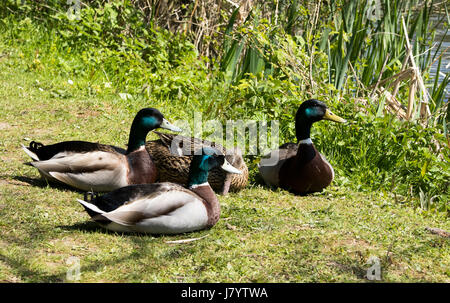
x: 262, y: 236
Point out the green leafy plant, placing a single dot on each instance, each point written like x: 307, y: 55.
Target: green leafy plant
x: 270, y: 62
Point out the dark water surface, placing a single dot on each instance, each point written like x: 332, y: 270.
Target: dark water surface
x: 445, y: 47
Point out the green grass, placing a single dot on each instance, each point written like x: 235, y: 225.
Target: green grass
x: 262, y: 236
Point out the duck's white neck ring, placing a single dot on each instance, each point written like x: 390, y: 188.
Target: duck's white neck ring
x: 198, y: 185
x: 305, y: 141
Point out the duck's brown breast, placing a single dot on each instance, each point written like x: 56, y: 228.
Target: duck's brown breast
x: 210, y: 201
x: 305, y: 173
x: 141, y: 169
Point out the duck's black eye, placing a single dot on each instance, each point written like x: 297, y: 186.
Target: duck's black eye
x: 220, y: 159
x: 215, y: 160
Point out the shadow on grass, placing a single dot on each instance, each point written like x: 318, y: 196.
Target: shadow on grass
x: 22, y: 268
x: 92, y: 227
x: 44, y: 184
x: 349, y: 268
x: 88, y: 226
x: 22, y: 265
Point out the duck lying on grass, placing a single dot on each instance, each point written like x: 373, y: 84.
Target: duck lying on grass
x: 172, y: 155
x: 99, y: 167
x: 300, y: 168
x: 163, y: 208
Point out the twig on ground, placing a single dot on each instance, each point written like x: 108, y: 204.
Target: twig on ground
x: 438, y: 231
x: 185, y: 240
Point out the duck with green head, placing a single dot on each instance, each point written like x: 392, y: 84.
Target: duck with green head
x: 163, y: 208
x: 300, y: 168
x: 99, y: 167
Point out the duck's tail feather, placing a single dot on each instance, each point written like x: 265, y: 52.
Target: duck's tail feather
x: 30, y: 153
x: 91, y: 209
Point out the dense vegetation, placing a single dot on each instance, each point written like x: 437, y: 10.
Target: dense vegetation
x: 68, y: 76
x: 259, y: 64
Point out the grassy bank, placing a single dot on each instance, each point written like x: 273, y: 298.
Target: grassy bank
x: 114, y: 50
x: 85, y: 79
x: 263, y: 235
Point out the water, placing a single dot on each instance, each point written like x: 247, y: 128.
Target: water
x: 445, y: 64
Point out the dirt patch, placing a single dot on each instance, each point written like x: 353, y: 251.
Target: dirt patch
x: 87, y: 113
x: 302, y: 227
x: 358, y: 271
x: 359, y: 243
x: 350, y: 245
x: 13, y: 182
x: 4, y: 125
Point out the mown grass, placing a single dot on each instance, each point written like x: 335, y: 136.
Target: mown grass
x: 263, y: 235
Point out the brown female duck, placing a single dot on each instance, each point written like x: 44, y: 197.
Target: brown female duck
x: 168, y: 154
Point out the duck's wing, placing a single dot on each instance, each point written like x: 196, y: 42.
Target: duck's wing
x: 182, y: 145
x: 155, y: 208
x: 270, y: 165
x: 94, y: 170
x: 149, y: 201
x: 30, y: 152
x: 40, y: 152
x: 290, y: 147
x: 127, y: 194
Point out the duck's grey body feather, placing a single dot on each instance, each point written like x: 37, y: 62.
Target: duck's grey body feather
x: 163, y: 208
x: 98, y: 170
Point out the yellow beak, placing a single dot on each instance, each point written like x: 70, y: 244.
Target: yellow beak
x: 330, y: 116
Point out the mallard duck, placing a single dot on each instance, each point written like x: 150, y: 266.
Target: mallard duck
x: 300, y: 168
x: 163, y: 208
x: 93, y: 166
x: 169, y: 152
